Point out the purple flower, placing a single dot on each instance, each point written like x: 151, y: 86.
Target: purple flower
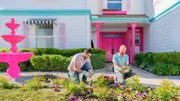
x: 73, y: 99
x: 139, y: 93
x: 124, y: 97
x: 128, y: 100
x: 145, y: 94
x: 147, y: 91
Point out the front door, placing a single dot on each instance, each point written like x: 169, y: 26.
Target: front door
x: 111, y: 43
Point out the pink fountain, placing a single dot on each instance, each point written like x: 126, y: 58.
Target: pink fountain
x: 13, y: 58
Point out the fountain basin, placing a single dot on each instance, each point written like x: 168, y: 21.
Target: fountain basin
x: 15, y: 57
x: 13, y: 60
x: 13, y: 38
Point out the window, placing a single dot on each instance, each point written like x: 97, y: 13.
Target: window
x: 114, y: 4
x: 112, y: 35
x: 44, y: 37
x: 137, y: 38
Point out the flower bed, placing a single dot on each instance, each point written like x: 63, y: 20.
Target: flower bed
x: 100, y: 89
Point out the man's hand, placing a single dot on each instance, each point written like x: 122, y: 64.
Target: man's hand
x: 78, y: 70
x: 121, y: 66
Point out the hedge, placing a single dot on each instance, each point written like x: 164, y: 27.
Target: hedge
x: 164, y: 64
x: 51, y: 59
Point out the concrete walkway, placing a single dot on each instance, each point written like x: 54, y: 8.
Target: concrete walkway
x: 145, y: 77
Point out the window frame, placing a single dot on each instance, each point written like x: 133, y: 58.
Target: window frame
x: 45, y: 37
x: 115, y: 2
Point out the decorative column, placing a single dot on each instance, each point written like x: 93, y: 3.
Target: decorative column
x: 133, y: 27
x: 98, y: 36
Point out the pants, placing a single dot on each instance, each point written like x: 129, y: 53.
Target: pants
x: 74, y: 76
x: 120, y: 77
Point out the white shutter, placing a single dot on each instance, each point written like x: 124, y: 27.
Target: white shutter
x: 26, y: 34
x: 62, y: 35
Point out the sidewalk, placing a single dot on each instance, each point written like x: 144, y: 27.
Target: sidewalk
x: 146, y: 78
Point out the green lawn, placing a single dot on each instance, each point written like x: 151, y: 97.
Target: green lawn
x: 32, y: 95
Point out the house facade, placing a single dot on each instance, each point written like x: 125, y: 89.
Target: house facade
x: 142, y: 25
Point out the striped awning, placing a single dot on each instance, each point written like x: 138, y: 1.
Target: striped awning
x: 40, y: 21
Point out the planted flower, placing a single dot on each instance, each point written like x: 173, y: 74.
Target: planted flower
x: 128, y: 91
x: 139, y: 93
x: 125, y: 69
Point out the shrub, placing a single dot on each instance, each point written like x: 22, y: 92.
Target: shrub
x: 4, y: 83
x: 52, y: 59
x: 3, y: 66
x: 34, y: 84
x: 159, y: 63
x: 98, y: 61
x: 165, y: 69
x: 66, y: 52
x: 4, y: 50
x: 50, y: 63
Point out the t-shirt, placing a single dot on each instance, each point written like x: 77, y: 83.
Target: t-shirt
x: 120, y: 60
x: 78, y: 59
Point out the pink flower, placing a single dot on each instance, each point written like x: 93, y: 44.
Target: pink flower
x: 47, y: 76
x: 117, y: 94
x: 139, y: 93
x: 117, y: 85
x: 55, y: 86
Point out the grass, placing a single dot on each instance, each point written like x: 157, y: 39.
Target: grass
x: 31, y: 95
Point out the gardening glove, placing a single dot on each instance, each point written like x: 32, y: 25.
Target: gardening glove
x: 88, y: 74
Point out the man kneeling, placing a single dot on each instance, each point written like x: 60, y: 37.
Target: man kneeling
x: 80, y: 63
x: 121, y: 61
